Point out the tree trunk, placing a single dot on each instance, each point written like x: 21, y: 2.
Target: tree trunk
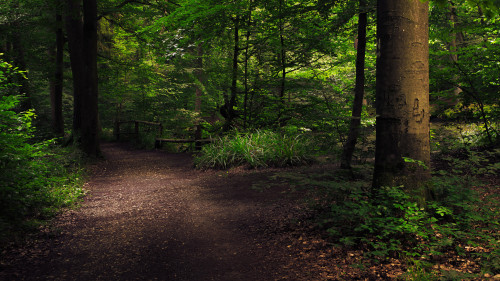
x: 74, y: 29
x: 282, y: 62
x: 90, y: 122
x: 56, y: 82
x: 199, y: 93
x: 359, y: 91
x: 456, y: 39
x: 20, y: 62
x: 82, y: 41
x: 231, y: 102
x: 402, y: 94
x: 247, y: 58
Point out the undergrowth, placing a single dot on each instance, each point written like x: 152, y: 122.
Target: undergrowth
x: 456, y: 224
x: 37, y: 178
x: 259, y: 149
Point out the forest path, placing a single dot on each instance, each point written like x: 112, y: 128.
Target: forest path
x: 150, y: 216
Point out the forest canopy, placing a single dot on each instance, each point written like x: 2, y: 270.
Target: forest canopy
x: 244, y: 65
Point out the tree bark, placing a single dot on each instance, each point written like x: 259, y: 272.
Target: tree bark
x: 56, y: 83
x: 456, y: 39
x: 231, y: 101
x: 359, y: 90
x: 247, y: 58
x: 199, y: 93
x: 82, y: 41
x: 282, y: 63
x: 90, y: 123
x: 402, y: 94
x: 20, y: 62
x: 74, y: 30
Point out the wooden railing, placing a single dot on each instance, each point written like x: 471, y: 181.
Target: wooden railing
x: 158, y: 140
x: 136, y: 128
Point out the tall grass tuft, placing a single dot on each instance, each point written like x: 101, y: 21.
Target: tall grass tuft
x: 258, y: 149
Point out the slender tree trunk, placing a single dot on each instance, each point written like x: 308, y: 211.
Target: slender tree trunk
x: 236, y: 54
x: 74, y: 29
x: 456, y: 38
x: 359, y: 91
x: 56, y: 87
x: 20, y: 62
x: 402, y: 94
x: 199, y: 93
x: 229, y: 105
x: 247, y: 57
x: 245, y: 99
x: 282, y: 62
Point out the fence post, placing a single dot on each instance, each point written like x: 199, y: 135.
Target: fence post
x: 136, y: 129
x: 197, y: 137
x: 117, y: 130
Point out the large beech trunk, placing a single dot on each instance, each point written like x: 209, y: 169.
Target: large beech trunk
x: 402, y: 144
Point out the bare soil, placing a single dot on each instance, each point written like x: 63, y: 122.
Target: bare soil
x: 150, y: 216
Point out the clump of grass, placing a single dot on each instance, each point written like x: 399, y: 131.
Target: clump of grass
x: 259, y: 149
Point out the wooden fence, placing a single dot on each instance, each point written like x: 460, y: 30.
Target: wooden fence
x: 158, y: 140
x: 137, y: 124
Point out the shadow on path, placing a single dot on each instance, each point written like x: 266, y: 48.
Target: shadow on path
x: 150, y: 216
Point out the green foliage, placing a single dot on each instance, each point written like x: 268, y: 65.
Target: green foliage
x: 259, y: 149
x: 471, y: 163
x: 391, y: 223
x: 36, y: 178
x: 147, y: 139
x: 455, y: 136
x: 464, y: 55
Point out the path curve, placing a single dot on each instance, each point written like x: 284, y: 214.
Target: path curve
x: 150, y: 216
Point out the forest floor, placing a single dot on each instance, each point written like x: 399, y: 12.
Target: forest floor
x: 149, y: 215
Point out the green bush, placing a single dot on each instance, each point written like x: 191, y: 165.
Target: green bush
x: 146, y: 140
x: 392, y: 223
x: 259, y: 149
x: 36, y: 178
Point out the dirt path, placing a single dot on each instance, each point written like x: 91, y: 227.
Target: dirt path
x: 150, y: 216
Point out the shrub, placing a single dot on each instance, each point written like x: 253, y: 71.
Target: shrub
x: 393, y: 224
x: 390, y: 223
x: 36, y: 178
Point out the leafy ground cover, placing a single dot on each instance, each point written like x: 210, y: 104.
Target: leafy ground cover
x: 37, y: 178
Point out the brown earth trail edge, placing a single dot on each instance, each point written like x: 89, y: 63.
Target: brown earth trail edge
x: 150, y: 216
